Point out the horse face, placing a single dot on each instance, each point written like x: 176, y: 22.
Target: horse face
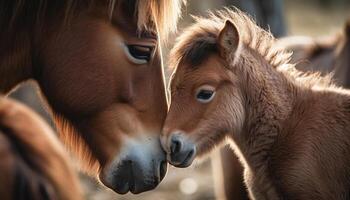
x: 107, y: 84
x: 202, y: 109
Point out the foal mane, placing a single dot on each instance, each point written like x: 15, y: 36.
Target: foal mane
x: 161, y: 15
x: 200, y: 39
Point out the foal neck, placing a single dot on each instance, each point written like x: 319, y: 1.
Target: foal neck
x: 15, y: 61
x: 268, y: 99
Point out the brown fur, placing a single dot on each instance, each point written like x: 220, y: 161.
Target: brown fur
x: 288, y: 128
x: 73, y: 50
x: 33, y: 163
x: 324, y: 54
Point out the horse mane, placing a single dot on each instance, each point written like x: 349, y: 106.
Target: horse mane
x: 161, y: 15
x: 200, y: 39
x: 77, y: 145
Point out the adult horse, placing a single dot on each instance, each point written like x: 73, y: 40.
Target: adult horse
x: 34, y: 164
x: 98, y: 65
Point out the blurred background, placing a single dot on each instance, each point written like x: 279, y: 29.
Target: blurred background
x: 284, y: 18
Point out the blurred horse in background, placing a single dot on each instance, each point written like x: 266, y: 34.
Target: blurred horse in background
x: 99, y: 67
x: 328, y: 54
x: 34, y: 164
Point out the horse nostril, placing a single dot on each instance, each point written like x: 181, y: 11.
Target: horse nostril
x: 163, y: 170
x: 176, y: 145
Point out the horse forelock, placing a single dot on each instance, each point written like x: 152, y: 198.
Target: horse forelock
x: 163, y: 13
x: 156, y: 15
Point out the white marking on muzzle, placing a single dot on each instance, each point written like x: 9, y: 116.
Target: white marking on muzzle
x: 144, y: 150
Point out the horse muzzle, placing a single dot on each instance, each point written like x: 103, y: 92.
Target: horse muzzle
x: 140, y: 166
x: 181, y: 150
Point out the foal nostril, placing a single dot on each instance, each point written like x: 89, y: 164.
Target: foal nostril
x: 176, y: 145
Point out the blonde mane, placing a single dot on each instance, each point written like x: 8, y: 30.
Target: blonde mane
x: 200, y: 39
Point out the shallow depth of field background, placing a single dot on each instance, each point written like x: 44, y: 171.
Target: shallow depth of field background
x: 302, y: 17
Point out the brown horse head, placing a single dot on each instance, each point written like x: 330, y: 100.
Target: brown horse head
x: 99, y: 65
x: 214, y: 59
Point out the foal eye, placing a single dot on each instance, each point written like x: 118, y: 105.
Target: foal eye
x: 205, y: 94
x: 139, y: 54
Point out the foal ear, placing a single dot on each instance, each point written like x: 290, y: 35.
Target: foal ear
x: 228, y: 40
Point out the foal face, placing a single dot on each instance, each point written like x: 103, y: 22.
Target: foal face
x: 203, y: 100
x: 108, y: 84
x: 206, y: 104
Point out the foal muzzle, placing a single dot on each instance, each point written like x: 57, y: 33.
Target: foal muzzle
x: 181, y: 150
x: 139, y: 167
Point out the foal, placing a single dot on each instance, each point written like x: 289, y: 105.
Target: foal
x: 324, y: 54
x: 289, y: 129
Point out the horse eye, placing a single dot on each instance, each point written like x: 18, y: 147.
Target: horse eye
x: 205, y: 95
x: 139, y: 54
